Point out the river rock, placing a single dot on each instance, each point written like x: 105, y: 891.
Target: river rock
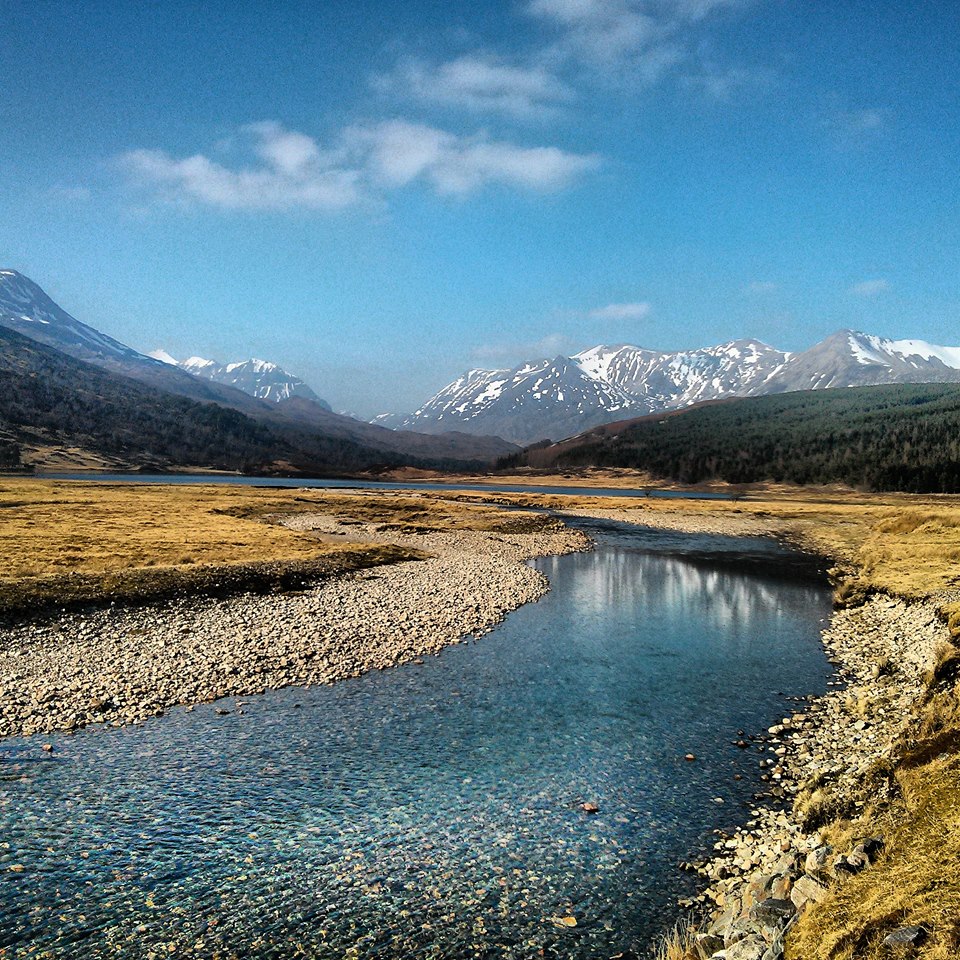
x: 818, y: 860
x: 906, y: 937
x: 707, y: 945
x: 750, y: 948
x: 772, y: 912
x: 807, y: 890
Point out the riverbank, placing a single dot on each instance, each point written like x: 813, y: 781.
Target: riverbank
x: 122, y: 664
x: 878, y: 758
x: 852, y: 852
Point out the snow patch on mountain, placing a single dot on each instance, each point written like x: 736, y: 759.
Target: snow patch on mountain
x: 554, y: 398
x: 259, y: 378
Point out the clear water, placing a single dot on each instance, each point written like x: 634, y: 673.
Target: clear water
x: 299, y: 482
x: 429, y: 811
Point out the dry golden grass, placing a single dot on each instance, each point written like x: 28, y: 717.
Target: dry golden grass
x: 78, y: 540
x: 403, y: 511
x: 51, y: 527
x: 55, y: 527
x: 679, y: 944
x: 916, y: 882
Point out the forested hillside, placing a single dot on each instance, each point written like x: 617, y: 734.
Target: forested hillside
x: 50, y: 398
x: 902, y: 437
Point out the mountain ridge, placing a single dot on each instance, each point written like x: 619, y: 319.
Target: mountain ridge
x: 620, y: 381
x: 27, y: 310
x: 262, y: 379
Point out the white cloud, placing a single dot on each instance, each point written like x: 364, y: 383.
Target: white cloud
x: 761, y: 286
x: 398, y: 152
x: 649, y: 37
x: 621, y: 311
x: 292, y: 171
x: 549, y: 346
x: 481, y: 82
x: 870, y: 288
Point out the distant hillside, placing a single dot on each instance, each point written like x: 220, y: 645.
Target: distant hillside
x: 903, y: 437
x: 50, y: 400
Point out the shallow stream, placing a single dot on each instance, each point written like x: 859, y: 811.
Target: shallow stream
x: 432, y: 810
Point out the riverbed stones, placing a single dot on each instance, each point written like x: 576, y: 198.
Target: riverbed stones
x: 126, y: 664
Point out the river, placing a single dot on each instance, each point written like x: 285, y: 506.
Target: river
x: 432, y: 810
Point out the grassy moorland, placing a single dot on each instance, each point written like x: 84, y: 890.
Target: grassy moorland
x: 64, y: 541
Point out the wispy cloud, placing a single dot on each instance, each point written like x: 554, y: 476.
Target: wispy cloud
x: 719, y: 84
x: 761, y: 286
x: 290, y: 170
x: 855, y: 128
x: 618, y: 312
x: 549, y: 346
x: 647, y: 37
x: 870, y: 288
x: 480, y: 82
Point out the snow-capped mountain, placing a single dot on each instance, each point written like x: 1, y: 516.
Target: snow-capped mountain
x: 560, y: 397
x: 545, y: 397
x: 24, y: 307
x: 259, y: 378
x: 28, y: 311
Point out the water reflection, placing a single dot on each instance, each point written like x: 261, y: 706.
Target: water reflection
x: 424, y: 812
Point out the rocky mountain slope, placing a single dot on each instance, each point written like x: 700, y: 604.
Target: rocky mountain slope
x: 564, y: 396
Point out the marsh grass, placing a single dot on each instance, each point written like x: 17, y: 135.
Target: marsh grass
x: 679, y: 944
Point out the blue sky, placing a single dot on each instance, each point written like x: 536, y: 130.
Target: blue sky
x: 380, y: 195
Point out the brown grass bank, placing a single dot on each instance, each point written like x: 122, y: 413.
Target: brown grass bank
x: 64, y: 542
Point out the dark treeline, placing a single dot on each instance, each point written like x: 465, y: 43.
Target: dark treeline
x: 904, y: 437
x: 48, y: 397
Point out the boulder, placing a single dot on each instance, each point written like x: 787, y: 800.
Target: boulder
x: 773, y: 913
x: 807, y: 890
x: 818, y: 860
x: 708, y: 944
x: 750, y: 948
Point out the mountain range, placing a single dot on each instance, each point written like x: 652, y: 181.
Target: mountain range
x: 559, y: 397
x: 292, y: 426
x: 479, y: 417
